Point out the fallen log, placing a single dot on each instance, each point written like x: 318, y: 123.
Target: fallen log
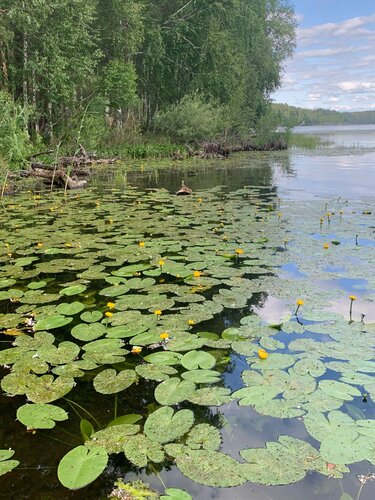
x: 66, y: 171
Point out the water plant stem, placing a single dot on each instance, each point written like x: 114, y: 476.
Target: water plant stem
x: 83, y: 409
x: 359, y: 491
x: 159, y: 477
x: 116, y: 401
x: 4, y: 184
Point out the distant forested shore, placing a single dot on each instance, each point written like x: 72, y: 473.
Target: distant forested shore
x: 291, y: 116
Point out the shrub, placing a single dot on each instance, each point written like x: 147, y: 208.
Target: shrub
x: 192, y: 119
x: 15, y: 143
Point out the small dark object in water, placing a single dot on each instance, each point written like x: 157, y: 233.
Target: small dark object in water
x: 192, y: 173
x: 364, y: 398
x: 184, y: 190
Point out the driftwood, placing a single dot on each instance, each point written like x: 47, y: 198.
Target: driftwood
x: 66, y: 170
x: 216, y: 150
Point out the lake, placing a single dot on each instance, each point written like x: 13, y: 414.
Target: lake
x: 273, y: 254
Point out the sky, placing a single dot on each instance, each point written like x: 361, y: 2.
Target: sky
x: 334, y: 63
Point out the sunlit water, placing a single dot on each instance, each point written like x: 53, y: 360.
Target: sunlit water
x: 345, y: 171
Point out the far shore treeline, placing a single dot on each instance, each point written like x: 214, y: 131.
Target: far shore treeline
x: 109, y: 73
x: 291, y: 116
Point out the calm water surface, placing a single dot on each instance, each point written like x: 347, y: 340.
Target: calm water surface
x: 345, y: 169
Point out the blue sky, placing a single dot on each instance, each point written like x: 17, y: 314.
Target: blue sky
x: 334, y: 64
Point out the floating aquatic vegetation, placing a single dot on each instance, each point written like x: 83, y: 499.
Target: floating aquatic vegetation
x: 121, y: 309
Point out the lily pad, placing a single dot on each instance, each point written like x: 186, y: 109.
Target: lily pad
x: 165, y: 426
x: 110, y: 382
x: 40, y: 416
x: 140, y: 449
x: 80, y: 466
x: 7, y: 465
x: 198, y: 359
x: 173, y: 391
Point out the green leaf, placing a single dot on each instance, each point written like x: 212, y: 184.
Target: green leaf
x: 173, y: 391
x: 211, y: 468
x: 91, y: 316
x: 155, y: 372
x: 110, y: 382
x: 112, y: 438
x: 164, y: 358
x: 70, y: 309
x: 130, y: 418
x: 86, y: 428
x: 175, y: 494
x: 46, y: 388
x: 5, y: 464
x: 204, y: 436
x: 51, y: 322
x: 339, y: 390
x: 211, y: 396
x: 73, y: 290
x: 87, y: 333
x: 165, y: 426
x: 198, y: 359
x: 40, y: 416
x: 140, y: 449
x: 80, y: 466
x: 202, y: 376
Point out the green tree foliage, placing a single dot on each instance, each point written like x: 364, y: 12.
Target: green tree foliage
x: 129, y: 60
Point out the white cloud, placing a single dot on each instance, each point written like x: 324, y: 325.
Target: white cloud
x: 333, y: 66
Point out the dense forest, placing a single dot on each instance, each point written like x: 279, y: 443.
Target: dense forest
x: 107, y: 72
x: 290, y: 116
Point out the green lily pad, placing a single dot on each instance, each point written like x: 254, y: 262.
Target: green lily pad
x: 155, y: 372
x: 80, y: 466
x: 211, y: 468
x: 70, y: 309
x: 140, y: 449
x: 204, y: 436
x: 40, y: 416
x: 88, y: 332
x: 46, y: 388
x: 211, y: 396
x: 91, y: 316
x: 73, y: 290
x: 173, y: 391
x: 164, y: 358
x: 7, y: 465
x: 110, y: 382
x: 113, y: 438
x: 165, y: 426
x: 198, y: 359
x: 175, y: 494
x: 202, y: 376
x: 51, y: 322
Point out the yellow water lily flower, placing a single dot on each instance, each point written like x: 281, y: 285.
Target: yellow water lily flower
x: 326, y: 246
x: 111, y: 305
x: 136, y: 349
x: 239, y: 251
x: 262, y: 354
x: 164, y: 335
x: 300, y: 302
x: 197, y: 274
x: 158, y: 312
x: 141, y: 244
x: 191, y: 322
x: 161, y: 262
x: 352, y: 297
x: 108, y: 314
